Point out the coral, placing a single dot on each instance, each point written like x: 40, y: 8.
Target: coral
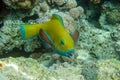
x: 44, y: 6
x: 68, y: 21
x: 35, y: 43
x: 113, y: 17
x: 60, y: 2
x: 96, y: 1
x: 71, y: 4
x: 97, y: 51
x: 18, y: 4
x: 9, y: 34
x: 82, y: 55
x: 97, y: 42
x: 104, y: 50
x: 89, y: 70
x: 109, y: 17
x: 18, y: 69
x: 115, y: 35
x: 76, y: 12
x: 108, y: 69
x: 117, y: 47
x: 30, y: 69
x: 10, y: 38
x: 46, y: 59
x: 65, y: 4
x: 102, y: 70
x: 109, y: 20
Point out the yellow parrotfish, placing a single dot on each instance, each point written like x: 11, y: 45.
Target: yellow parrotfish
x: 53, y: 33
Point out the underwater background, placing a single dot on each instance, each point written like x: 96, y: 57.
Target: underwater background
x: 96, y: 52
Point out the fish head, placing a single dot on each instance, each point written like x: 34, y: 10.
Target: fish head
x: 65, y: 46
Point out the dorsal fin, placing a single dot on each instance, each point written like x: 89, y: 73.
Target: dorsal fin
x: 59, y: 18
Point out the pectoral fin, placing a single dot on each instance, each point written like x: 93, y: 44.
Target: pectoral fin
x: 46, y: 37
x: 75, y: 35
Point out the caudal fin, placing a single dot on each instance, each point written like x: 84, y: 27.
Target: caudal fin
x: 29, y: 30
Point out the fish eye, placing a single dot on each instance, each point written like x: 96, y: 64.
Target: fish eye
x: 62, y: 42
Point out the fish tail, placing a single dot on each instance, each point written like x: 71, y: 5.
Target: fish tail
x: 29, y: 30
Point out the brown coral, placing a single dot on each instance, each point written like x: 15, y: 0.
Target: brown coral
x: 96, y: 1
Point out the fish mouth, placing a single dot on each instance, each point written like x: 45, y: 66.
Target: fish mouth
x: 67, y: 53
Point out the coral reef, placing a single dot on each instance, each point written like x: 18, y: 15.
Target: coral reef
x: 30, y: 69
x: 9, y: 35
x: 71, y: 4
x: 97, y: 50
x: 44, y: 6
x: 68, y: 21
x: 20, y: 4
x: 108, y: 69
x: 89, y: 70
x: 110, y: 15
x: 60, y: 2
x: 113, y: 17
x: 100, y: 38
x: 96, y: 1
x: 76, y: 12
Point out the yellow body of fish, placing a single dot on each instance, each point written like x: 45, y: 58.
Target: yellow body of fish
x: 53, y: 32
